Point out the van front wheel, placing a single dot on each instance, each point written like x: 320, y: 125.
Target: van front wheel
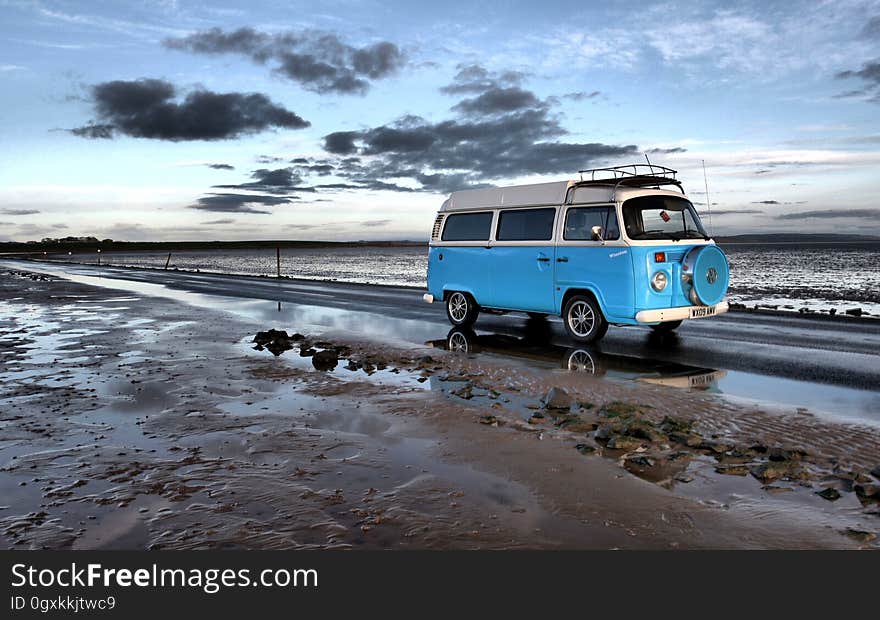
x: 461, y: 309
x: 583, y: 319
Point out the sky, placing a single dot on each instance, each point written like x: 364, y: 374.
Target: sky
x: 348, y: 120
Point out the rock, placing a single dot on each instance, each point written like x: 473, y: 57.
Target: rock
x: 735, y: 469
x: 773, y: 470
x: 860, y: 535
x: 783, y: 454
x: 639, y: 459
x: 425, y: 359
x: 585, y: 448
x: 466, y: 391
x: 622, y: 442
x: 489, y: 420
x: 854, y: 312
x: 325, y: 360
x: 876, y: 472
x: 277, y: 347
x: 829, y: 493
x: 718, y: 447
x: 557, y: 398
x: 867, y: 493
x: 671, y: 425
x: 833, y: 311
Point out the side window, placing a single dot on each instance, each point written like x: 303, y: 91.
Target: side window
x: 526, y: 225
x: 467, y: 227
x: 579, y: 223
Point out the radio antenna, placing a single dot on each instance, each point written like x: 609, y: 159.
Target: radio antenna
x: 708, y: 200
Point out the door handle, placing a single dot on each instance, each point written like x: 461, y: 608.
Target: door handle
x: 543, y: 259
x: 562, y: 259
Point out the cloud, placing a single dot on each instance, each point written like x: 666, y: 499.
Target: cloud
x: 872, y: 28
x: 581, y: 95
x: 669, y: 151
x: 500, y: 131
x: 147, y: 108
x: 272, y: 181
x: 218, y: 222
x: 221, y: 166
x: 766, y: 202
x: 831, y: 214
x: 375, y: 223
x: 238, y: 203
x: 19, y: 211
x: 730, y: 212
x: 319, y: 61
x: 870, y: 74
x: 6, y: 68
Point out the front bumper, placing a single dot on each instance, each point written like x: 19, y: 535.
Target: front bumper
x: 676, y: 314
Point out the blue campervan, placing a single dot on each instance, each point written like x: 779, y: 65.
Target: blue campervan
x: 619, y: 246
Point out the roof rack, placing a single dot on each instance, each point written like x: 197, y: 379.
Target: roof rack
x: 631, y: 175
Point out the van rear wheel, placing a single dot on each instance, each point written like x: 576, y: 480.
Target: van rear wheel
x: 583, y: 319
x: 461, y: 309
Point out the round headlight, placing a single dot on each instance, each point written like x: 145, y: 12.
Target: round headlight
x: 659, y: 281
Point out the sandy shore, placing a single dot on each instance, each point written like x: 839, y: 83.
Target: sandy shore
x: 138, y: 422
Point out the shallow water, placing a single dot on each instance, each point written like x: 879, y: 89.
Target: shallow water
x: 788, y: 277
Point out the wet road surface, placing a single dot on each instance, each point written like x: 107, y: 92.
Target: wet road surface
x: 826, y: 364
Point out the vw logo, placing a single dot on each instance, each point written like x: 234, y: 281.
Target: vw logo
x: 711, y: 275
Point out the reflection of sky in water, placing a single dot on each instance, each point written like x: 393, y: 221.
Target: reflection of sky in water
x: 814, y: 277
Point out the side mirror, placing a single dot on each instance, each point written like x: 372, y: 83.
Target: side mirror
x: 596, y: 233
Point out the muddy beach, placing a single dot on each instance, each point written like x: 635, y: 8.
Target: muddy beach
x: 137, y: 422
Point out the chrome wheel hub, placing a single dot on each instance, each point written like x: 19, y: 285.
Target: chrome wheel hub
x: 581, y: 318
x: 458, y: 307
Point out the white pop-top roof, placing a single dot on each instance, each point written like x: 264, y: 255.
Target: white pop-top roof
x: 554, y: 193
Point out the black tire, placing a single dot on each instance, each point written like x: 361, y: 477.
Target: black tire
x: 583, y: 319
x: 461, y: 309
x: 666, y: 327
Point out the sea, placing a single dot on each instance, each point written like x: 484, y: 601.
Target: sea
x: 788, y: 277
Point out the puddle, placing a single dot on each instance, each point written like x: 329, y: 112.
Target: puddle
x: 536, y: 346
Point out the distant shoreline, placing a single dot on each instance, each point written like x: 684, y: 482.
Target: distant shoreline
x: 16, y: 248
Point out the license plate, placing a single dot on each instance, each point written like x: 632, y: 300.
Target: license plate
x: 701, y: 311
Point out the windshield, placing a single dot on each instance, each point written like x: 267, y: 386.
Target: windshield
x: 662, y: 217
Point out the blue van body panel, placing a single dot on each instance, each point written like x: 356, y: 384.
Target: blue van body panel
x: 521, y: 278
x: 606, y: 271
x: 459, y: 268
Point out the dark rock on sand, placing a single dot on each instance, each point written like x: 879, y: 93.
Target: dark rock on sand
x: 876, y: 472
x: 735, y: 469
x: 325, y: 360
x: 829, y: 493
x: 557, y: 398
x: 584, y: 448
x: 855, y: 312
x: 867, y: 493
x: 774, y: 470
x: 860, y: 535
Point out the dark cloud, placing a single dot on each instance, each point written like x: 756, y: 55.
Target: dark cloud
x: 319, y: 61
x: 477, y: 79
x: 766, y: 202
x: 269, y: 159
x: 238, y: 203
x: 221, y: 166
x: 870, y: 74
x: 669, y: 151
x: 500, y: 130
x: 498, y: 100
x: 375, y: 223
x: 217, y: 222
x: 341, y: 142
x: 872, y: 28
x: 148, y: 109
x: 582, y: 95
x: 272, y: 181
x: 19, y: 211
x: 831, y: 214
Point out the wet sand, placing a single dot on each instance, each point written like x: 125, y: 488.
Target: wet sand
x: 130, y: 421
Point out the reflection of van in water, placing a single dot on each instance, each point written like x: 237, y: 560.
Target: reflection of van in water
x: 610, y: 248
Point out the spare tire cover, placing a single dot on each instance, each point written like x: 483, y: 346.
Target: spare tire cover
x: 711, y: 273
